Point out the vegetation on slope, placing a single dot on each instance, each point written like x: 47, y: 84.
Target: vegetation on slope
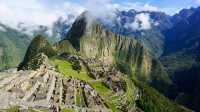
x: 152, y: 101
x: 149, y: 99
x: 6, y: 58
x: 183, y: 68
x: 66, y: 68
x: 92, y: 41
x: 182, y: 59
x: 13, y: 46
x: 38, y: 45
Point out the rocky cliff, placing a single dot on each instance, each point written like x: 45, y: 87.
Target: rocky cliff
x: 88, y: 39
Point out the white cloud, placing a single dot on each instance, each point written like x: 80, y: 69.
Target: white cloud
x: 38, y: 12
x: 156, y: 23
x: 142, y: 22
x: 101, y: 9
x: 137, y: 6
x: 33, y: 12
x: 148, y: 7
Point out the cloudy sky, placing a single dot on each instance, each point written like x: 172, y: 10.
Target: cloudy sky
x: 44, y: 12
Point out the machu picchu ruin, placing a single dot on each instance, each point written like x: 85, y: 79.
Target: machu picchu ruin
x: 47, y: 89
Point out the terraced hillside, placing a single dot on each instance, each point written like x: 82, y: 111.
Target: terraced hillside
x: 117, y: 91
x: 46, y: 89
x: 59, y: 86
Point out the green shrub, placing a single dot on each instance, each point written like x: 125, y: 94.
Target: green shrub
x: 13, y: 109
x: 76, y: 66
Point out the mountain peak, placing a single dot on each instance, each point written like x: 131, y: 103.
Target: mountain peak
x: 88, y: 19
x: 38, y: 45
x: 85, y: 23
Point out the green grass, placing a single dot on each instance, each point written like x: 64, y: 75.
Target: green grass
x: 107, y: 95
x: 65, y: 67
x: 129, y: 88
x: 78, y: 97
x: 100, y: 88
x: 13, y: 109
x: 67, y: 110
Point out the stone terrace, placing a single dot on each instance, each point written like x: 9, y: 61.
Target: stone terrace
x: 47, y: 89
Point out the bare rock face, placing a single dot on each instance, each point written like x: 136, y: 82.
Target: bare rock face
x: 95, y: 42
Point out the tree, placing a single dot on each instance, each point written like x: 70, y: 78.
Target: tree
x: 76, y: 66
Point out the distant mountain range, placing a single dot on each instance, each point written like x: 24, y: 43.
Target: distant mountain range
x: 152, y: 38
x: 182, y: 56
x: 13, y: 46
x: 15, y: 40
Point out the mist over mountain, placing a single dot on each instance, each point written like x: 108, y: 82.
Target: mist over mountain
x: 13, y: 46
x: 15, y: 40
x: 144, y: 26
x: 126, y: 23
x: 54, y: 32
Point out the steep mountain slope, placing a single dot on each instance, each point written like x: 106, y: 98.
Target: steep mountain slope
x: 13, y: 46
x: 62, y: 26
x: 181, y: 57
x: 92, y: 41
x: 184, y: 32
x: 130, y: 23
